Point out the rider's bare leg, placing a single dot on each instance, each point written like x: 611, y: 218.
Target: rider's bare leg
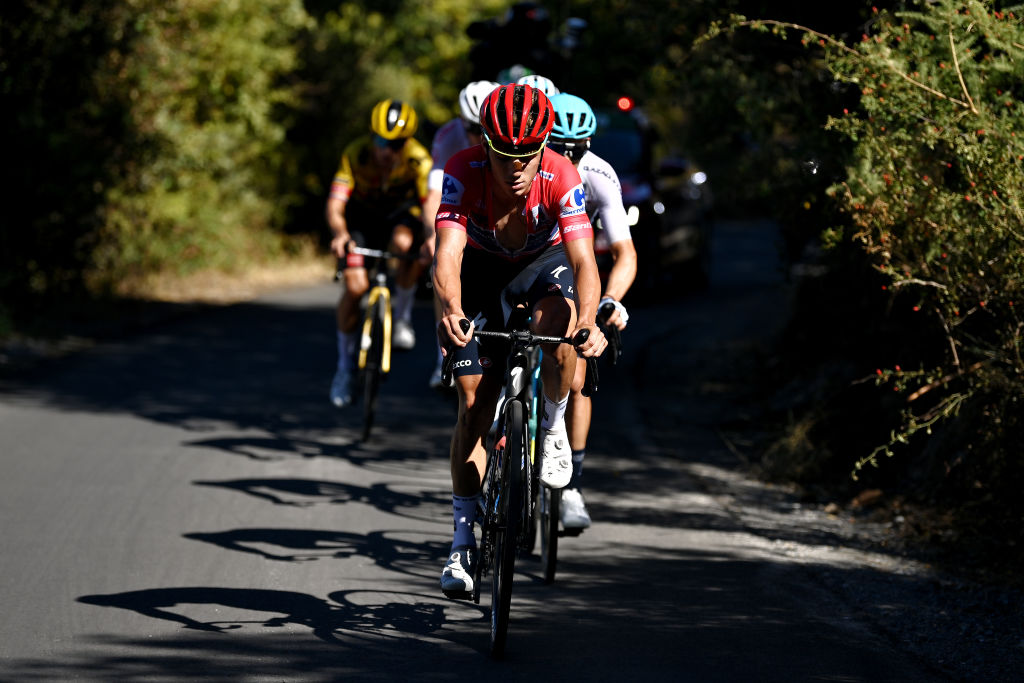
x: 478, y: 394
x: 556, y: 316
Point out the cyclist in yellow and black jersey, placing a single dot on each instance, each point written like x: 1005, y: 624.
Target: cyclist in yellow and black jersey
x: 376, y: 201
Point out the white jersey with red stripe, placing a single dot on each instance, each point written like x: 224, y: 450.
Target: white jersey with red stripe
x: 555, y: 211
x: 604, y: 201
x: 449, y: 139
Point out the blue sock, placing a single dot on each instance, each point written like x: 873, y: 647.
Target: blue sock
x: 464, y: 514
x: 346, y: 349
x: 577, y: 470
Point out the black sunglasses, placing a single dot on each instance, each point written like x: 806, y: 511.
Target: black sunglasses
x: 570, y: 148
x: 395, y: 145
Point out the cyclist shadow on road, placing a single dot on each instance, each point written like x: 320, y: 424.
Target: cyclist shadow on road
x: 309, y: 492
x: 405, y: 552
x: 345, y: 618
x: 384, y: 453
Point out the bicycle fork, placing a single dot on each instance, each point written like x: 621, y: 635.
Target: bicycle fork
x: 378, y: 293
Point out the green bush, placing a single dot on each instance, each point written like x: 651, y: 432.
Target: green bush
x: 168, y: 137
x: 931, y: 202
x: 208, y: 94
x: 934, y: 198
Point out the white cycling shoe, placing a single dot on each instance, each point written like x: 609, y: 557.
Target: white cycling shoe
x: 556, y: 457
x: 402, y: 336
x: 573, y: 512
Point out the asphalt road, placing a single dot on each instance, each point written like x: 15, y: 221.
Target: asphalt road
x: 185, y: 504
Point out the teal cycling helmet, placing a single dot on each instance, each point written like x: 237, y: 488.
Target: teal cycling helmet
x: 574, y: 119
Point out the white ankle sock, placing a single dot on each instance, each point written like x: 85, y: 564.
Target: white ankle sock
x: 403, y: 302
x: 553, y: 412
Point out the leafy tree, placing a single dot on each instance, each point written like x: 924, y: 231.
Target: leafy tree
x: 929, y: 200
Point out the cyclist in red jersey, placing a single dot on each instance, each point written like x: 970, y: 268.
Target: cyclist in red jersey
x: 512, y: 230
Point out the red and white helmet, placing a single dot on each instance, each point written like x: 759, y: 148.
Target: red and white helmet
x: 516, y: 120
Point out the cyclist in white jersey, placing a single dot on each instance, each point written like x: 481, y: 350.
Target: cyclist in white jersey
x: 575, y: 123
x: 461, y: 132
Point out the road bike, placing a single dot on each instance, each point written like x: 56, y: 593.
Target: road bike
x: 374, y: 358
x: 506, y: 511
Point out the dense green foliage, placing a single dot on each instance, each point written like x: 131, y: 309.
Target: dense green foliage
x: 934, y: 198
x: 173, y: 136
x: 925, y: 252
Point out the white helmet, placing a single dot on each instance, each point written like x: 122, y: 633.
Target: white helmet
x: 540, y: 83
x: 472, y: 96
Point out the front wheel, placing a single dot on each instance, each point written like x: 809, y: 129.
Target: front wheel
x: 373, y: 370
x: 509, y: 522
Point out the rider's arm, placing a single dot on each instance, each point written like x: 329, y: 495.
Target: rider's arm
x: 424, y: 175
x: 339, y: 228
x: 430, y: 205
x: 451, y: 243
x: 606, y: 191
x: 341, y: 188
x: 580, y: 254
x: 623, y: 271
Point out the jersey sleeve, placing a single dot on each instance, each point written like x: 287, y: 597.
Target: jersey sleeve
x: 344, y: 179
x: 451, y: 213
x: 573, y: 222
x: 420, y: 158
x: 607, y: 199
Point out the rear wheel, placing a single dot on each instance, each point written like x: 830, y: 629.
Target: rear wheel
x: 510, y: 506
x: 373, y: 370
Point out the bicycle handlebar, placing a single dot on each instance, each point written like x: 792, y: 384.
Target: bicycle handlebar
x: 382, y: 254
x: 379, y: 254
x: 527, y: 338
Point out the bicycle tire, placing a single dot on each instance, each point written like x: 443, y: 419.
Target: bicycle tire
x: 536, y: 391
x: 550, y: 509
x: 372, y: 372
x: 510, y: 506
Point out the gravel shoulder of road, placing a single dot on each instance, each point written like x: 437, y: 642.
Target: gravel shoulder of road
x: 858, y: 567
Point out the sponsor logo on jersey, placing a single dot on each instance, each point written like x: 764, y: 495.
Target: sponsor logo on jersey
x: 453, y: 216
x: 546, y: 175
x: 485, y: 362
x: 600, y: 171
x: 451, y: 190
x: 462, y: 363
x: 574, y: 202
x: 554, y: 287
x: 558, y: 271
x: 576, y: 227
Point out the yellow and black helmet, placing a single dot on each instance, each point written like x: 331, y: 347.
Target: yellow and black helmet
x: 393, y: 120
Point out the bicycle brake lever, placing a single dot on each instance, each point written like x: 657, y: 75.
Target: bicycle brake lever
x: 449, y: 357
x: 590, y: 385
